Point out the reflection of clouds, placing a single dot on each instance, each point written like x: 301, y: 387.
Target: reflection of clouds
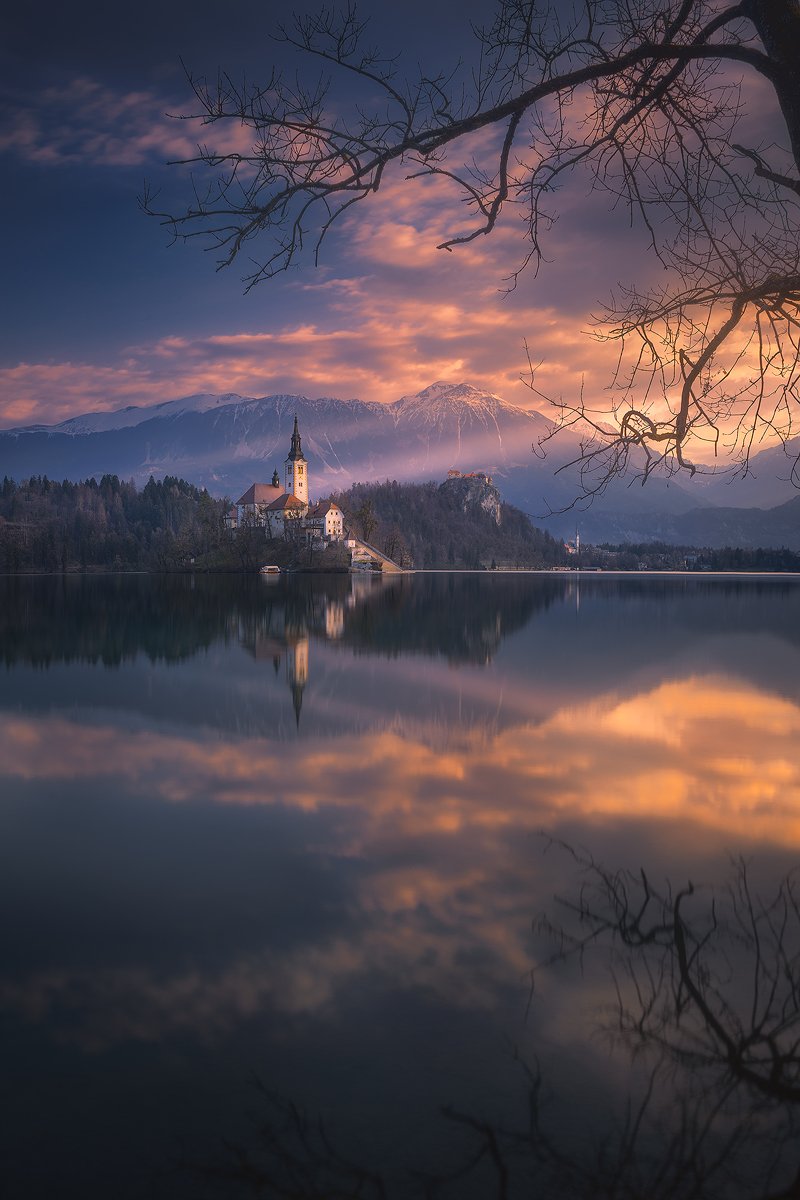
x: 708, y: 750
x: 398, y: 943
x: 136, y: 1003
x: 703, y: 749
x: 438, y: 837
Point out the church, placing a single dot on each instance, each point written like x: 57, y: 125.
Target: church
x: 287, y: 511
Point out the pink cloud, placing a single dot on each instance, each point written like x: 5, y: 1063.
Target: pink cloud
x: 386, y: 314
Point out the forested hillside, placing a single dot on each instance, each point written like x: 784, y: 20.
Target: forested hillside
x: 172, y: 525
x: 442, y: 525
x: 48, y: 526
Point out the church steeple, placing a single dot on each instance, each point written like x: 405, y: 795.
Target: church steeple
x: 296, y: 453
x: 296, y: 468
x: 297, y: 670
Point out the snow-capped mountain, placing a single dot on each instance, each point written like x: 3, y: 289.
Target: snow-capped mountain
x: 125, y: 418
x: 441, y: 404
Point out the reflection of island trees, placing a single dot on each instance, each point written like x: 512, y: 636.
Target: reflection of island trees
x: 706, y: 1010
x: 108, y: 619
x: 700, y: 604
x: 111, y: 618
x: 463, y: 618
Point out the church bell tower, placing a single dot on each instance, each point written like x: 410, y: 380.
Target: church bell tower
x: 297, y: 469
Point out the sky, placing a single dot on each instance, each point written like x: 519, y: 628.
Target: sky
x: 100, y: 311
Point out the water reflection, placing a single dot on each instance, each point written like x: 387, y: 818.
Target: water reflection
x: 200, y: 892
x: 110, y: 619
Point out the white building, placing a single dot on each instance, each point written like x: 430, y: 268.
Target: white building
x: 326, y: 520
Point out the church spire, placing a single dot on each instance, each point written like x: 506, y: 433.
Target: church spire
x: 295, y: 468
x: 296, y: 452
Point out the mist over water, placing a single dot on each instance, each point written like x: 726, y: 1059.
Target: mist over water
x: 298, y: 831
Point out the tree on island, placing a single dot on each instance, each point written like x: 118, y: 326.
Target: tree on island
x: 644, y: 96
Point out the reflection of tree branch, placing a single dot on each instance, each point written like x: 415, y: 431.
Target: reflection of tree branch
x: 294, y: 1159
x: 687, y: 973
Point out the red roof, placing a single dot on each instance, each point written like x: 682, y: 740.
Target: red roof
x: 323, y: 508
x: 260, y: 493
x: 285, y: 501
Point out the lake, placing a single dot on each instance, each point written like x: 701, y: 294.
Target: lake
x: 284, y: 862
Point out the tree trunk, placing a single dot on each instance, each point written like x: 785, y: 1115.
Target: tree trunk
x: 778, y: 26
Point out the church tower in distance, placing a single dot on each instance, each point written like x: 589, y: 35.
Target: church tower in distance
x: 297, y: 469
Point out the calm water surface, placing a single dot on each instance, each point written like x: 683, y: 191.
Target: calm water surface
x: 278, y: 841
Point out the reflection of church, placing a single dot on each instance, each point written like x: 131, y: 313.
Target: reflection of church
x: 287, y: 510
x: 297, y: 670
x: 288, y: 643
x: 282, y: 631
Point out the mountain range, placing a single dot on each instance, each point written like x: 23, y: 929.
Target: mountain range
x: 226, y: 442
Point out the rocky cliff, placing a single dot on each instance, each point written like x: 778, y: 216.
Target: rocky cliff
x: 473, y: 493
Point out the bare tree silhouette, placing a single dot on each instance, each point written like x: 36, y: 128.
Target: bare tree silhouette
x: 644, y: 95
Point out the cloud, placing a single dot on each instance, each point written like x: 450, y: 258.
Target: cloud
x: 86, y: 122
x: 381, y: 348
x: 385, y: 315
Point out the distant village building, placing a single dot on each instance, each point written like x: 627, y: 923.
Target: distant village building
x: 287, y: 510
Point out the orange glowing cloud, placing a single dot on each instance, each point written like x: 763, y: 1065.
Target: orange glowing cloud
x: 386, y: 315
x: 707, y: 751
